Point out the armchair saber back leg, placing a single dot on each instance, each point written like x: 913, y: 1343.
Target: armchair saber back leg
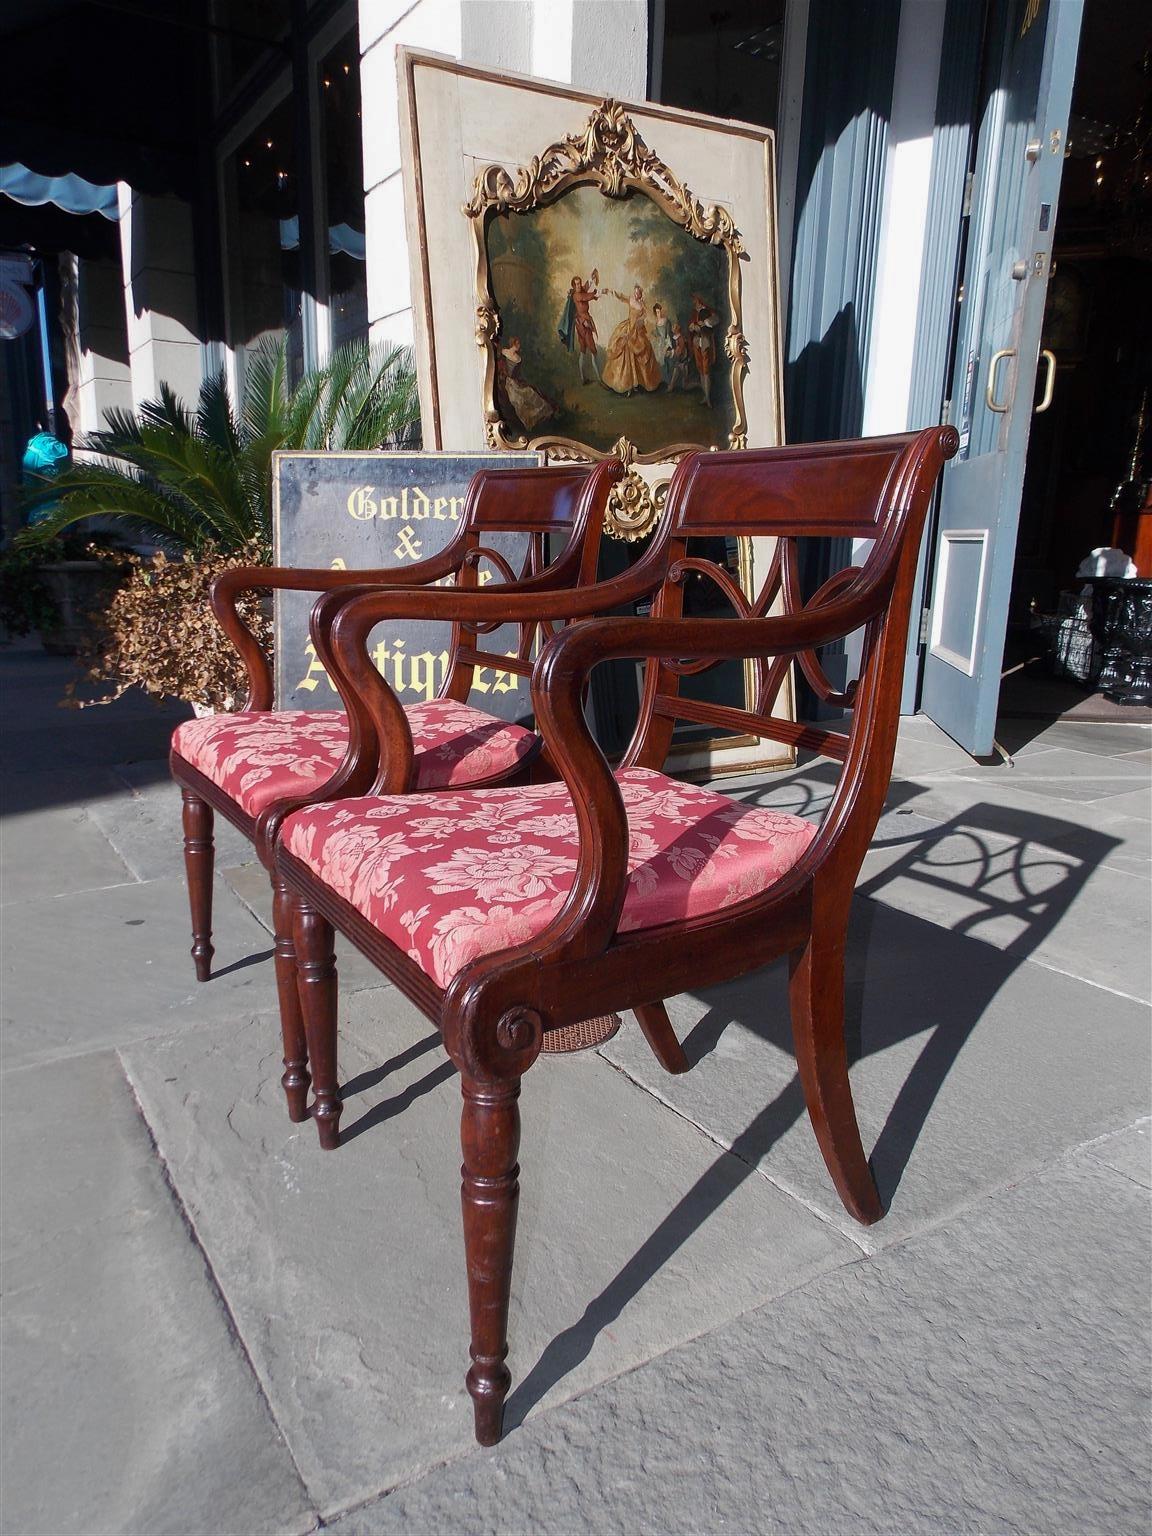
x: 816, y: 993
x: 658, y: 1031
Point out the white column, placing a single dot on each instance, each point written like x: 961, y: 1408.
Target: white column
x: 159, y: 295
x: 384, y: 26
x: 609, y: 46
x: 599, y: 45
x: 103, y: 371
x: 903, y: 227
x: 904, y: 219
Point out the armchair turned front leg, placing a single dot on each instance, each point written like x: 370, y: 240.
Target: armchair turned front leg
x: 296, y: 1080
x: 199, y: 858
x: 316, y: 979
x: 489, y: 1193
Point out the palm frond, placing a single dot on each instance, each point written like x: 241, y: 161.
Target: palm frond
x: 95, y: 490
x: 168, y: 412
x: 197, y: 478
x: 383, y: 409
x: 265, y: 393
x: 302, y: 409
x: 215, y: 422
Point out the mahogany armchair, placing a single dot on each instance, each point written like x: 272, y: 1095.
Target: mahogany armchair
x: 509, y: 914
x: 254, y: 765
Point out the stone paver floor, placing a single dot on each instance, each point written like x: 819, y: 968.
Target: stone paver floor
x: 210, y: 1326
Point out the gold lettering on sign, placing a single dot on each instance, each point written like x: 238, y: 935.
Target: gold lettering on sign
x: 408, y: 547
x: 410, y: 503
x: 422, y: 674
x: 315, y: 674
x: 361, y: 503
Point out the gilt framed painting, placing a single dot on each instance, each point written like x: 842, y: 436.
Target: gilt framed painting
x: 594, y: 278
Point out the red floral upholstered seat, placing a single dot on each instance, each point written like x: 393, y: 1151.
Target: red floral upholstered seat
x: 451, y: 877
x: 263, y: 756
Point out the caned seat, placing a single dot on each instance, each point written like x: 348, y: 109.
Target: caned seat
x: 510, y: 915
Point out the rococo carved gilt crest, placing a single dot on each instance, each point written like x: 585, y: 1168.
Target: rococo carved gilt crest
x: 608, y: 310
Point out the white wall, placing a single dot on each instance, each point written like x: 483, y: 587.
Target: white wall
x: 598, y: 45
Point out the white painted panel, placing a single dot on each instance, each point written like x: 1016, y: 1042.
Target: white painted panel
x: 959, y: 597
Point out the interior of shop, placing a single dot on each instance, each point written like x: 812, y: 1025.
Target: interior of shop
x: 1089, y: 466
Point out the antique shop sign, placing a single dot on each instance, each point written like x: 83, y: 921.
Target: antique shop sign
x: 352, y: 511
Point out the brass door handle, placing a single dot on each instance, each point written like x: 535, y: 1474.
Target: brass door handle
x: 990, y: 392
x: 1049, y: 382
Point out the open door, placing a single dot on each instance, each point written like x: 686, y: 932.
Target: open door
x: 1019, y: 158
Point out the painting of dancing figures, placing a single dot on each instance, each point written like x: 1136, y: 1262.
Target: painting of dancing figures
x: 612, y: 319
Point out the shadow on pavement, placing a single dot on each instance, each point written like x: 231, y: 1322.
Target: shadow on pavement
x: 52, y: 755
x: 1016, y: 879
x: 388, y: 1109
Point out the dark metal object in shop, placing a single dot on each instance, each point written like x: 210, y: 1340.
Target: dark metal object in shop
x: 1122, y: 626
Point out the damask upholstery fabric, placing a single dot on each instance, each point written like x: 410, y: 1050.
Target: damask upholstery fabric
x: 450, y: 877
x: 259, y: 757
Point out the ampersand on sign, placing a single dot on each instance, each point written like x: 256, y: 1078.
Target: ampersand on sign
x: 408, y: 547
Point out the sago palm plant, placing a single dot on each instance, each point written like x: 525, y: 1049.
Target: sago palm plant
x: 198, y: 481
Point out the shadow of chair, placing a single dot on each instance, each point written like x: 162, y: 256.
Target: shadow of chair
x: 1030, y: 877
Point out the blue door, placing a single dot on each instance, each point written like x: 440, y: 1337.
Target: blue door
x: 995, y: 389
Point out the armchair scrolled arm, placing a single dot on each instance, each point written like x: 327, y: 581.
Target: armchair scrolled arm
x: 228, y: 586
x: 375, y: 715
x: 558, y: 690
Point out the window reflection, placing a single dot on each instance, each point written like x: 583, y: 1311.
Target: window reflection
x: 347, y: 286
x: 246, y: 34
x: 262, y: 248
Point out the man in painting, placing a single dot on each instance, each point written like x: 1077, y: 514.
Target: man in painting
x: 678, y: 361
x: 523, y: 403
x: 577, y: 327
x: 662, y: 341
x: 631, y: 363
x: 702, y: 330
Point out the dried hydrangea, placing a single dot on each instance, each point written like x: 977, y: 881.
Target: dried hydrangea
x: 159, y: 633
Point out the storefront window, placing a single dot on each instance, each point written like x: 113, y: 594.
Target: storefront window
x: 723, y: 59
x: 246, y: 34
x: 343, y: 162
x: 262, y: 240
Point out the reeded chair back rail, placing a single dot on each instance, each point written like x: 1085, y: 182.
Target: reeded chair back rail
x: 495, y: 1011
